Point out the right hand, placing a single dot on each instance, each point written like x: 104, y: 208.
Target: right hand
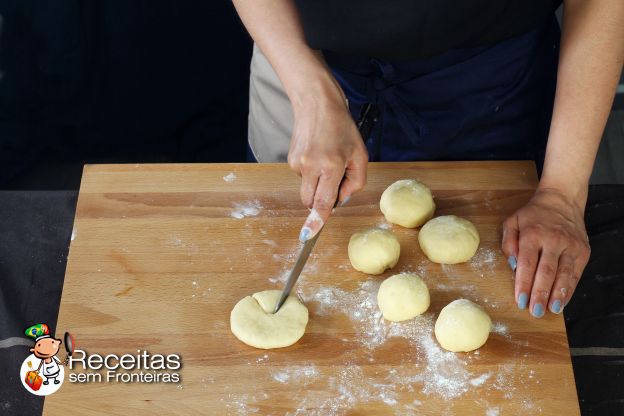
x: 325, y: 147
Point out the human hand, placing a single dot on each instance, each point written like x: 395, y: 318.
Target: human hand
x: 547, y: 236
x: 325, y: 147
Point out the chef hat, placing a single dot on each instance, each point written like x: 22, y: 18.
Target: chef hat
x: 38, y: 331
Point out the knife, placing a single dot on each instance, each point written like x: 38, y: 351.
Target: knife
x: 365, y: 123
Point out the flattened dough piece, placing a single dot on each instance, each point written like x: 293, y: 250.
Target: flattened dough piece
x: 408, y: 203
x: 253, y: 322
x: 449, y: 239
x: 402, y: 297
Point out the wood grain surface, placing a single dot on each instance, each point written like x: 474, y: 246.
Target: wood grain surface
x: 161, y: 253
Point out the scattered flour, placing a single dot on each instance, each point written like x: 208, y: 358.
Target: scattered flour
x: 242, y: 404
x: 484, y: 262
x: 427, y: 368
x: 247, y: 209
x: 175, y: 240
x: 281, y: 278
x: 384, y: 225
x: 288, y: 259
x: 265, y: 357
x: 350, y: 386
x: 478, y: 381
x: 446, y: 373
x: 500, y: 328
x: 464, y: 289
x: 230, y: 177
x: 302, y: 375
x: 492, y: 411
x: 281, y: 377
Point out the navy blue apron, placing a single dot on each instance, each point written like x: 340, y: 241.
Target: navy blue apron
x: 482, y: 103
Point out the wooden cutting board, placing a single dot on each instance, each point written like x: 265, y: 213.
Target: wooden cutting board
x: 161, y: 253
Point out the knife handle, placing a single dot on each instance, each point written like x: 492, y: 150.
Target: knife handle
x: 366, y: 120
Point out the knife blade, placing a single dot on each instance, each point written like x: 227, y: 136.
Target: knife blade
x: 365, y: 123
x: 306, y: 249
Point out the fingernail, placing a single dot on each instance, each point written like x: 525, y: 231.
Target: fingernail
x: 513, y: 263
x: 304, y: 235
x: 522, y: 300
x: 345, y: 201
x: 556, y: 306
x: 538, y: 310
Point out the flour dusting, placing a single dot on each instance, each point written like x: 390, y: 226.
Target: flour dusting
x: 500, y: 328
x: 492, y: 411
x: 302, y: 375
x: 288, y: 260
x: 425, y: 368
x: 384, y: 225
x: 247, y: 209
x: 446, y: 373
x: 230, y: 177
x: 484, y: 262
x: 478, y: 381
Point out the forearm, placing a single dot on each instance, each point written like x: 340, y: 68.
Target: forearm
x: 590, y: 63
x: 275, y: 27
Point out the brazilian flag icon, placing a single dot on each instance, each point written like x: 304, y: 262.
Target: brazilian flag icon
x: 37, y: 331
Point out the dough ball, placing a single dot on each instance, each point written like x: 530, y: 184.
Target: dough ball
x: 407, y: 203
x: 252, y: 320
x: 374, y: 250
x: 449, y: 239
x: 462, y: 326
x: 402, y: 296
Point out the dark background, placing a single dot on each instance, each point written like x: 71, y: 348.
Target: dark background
x: 118, y: 81
x: 128, y: 81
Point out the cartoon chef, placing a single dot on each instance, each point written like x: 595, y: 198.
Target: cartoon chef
x: 45, y: 348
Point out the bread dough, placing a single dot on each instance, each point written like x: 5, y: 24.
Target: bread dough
x: 252, y: 320
x: 462, y: 326
x: 408, y: 203
x: 449, y: 239
x: 374, y: 250
x: 402, y: 296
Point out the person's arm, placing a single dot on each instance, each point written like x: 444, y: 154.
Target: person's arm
x: 547, y: 236
x: 325, y: 144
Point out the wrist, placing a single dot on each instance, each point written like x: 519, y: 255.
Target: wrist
x: 317, y: 92
x: 574, y: 191
x: 313, y: 85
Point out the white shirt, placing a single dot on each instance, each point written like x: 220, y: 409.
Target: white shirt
x: 51, y: 368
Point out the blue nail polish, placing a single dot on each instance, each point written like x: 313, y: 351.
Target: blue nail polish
x: 513, y: 263
x: 538, y: 310
x: 345, y: 201
x: 522, y: 300
x: 556, y: 306
x: 304, y: 235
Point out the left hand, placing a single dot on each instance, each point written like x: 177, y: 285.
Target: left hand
x: 547, y: 236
